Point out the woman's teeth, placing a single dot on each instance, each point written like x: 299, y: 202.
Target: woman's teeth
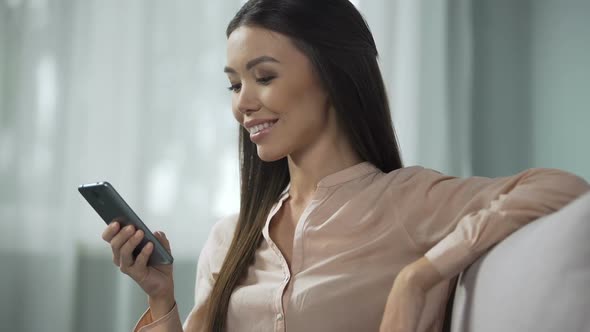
x: 257, y: 128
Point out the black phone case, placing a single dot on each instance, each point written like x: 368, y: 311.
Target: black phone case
x: 109, y: 205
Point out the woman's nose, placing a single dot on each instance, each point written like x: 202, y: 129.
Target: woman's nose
x: 247, y: 101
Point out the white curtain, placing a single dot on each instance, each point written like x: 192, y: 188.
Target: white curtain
x: 423, y: 46
x: 133, y: 92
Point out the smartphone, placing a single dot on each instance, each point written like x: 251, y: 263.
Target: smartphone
x: 109, y: 205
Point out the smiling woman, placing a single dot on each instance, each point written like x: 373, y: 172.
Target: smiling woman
x: 275, y: 83
x: 333, y: 233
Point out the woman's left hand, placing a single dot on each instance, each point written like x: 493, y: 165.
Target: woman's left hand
x: 408, y: 295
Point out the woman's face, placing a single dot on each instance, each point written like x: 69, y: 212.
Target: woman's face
x: 276, y: 95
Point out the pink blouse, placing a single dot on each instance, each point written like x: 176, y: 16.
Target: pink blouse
x: 360, y: 229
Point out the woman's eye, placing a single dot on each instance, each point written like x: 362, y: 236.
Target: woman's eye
x: 265, y: 80
x: 235, y: 87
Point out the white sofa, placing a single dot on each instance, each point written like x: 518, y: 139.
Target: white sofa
x: 537, y: 279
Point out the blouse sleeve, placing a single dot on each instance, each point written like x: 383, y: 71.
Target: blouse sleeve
x: 208, y: 266
x: 455, y: 220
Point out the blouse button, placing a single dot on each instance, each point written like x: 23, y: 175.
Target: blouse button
x: 280, y: 317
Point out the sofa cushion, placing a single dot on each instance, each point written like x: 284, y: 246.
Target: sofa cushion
x: 537, y: 279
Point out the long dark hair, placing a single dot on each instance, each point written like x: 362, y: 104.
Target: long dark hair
x: 337, y: 41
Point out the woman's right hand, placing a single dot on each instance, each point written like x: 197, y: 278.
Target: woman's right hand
x: 156, y: 281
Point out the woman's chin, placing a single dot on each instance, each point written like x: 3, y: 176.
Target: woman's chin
x: 269, y: 156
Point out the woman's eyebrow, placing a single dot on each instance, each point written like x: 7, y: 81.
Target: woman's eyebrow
x: 252, y: 63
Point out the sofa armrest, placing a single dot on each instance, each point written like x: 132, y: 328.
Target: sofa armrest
x: 537, y: 279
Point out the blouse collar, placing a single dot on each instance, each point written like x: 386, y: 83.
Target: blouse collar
x: 342, y: 176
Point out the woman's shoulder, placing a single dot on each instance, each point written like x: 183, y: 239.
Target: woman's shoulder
x: 219, y: 240
x: 411, y: 173
x: 223, y: 229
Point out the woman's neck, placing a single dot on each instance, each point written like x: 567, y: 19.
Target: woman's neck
x: 307, y: 169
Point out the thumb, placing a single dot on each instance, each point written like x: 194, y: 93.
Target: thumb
x: 161, y: 236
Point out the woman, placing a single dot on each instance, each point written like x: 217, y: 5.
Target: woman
x: 333, y: 233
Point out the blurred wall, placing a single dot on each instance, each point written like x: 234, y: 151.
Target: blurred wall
x: 560, y: 85
x: 531, y: 99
